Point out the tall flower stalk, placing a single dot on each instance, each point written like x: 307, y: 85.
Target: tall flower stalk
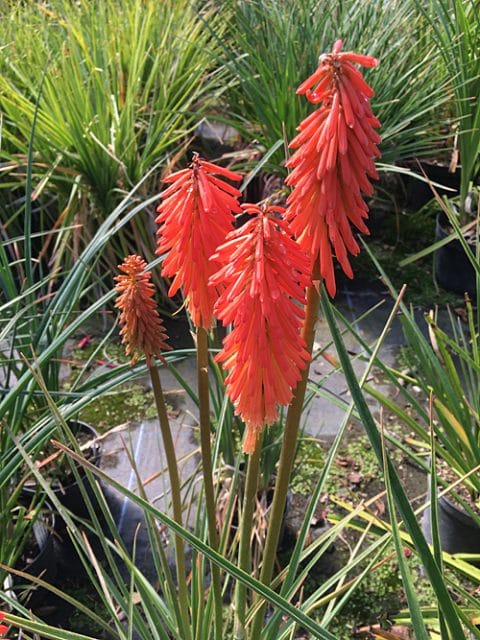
x: 245, y: 543
x: 195, y: 216
x: 287, y: 456
x: 143, y: 334
x: 331, y: 166
x: 263, y: 273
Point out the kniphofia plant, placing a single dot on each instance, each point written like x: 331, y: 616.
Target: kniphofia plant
x: 143, y: 334
x: 334, y: 159
x: 195, y: 215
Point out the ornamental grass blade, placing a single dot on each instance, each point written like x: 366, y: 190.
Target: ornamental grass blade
x: 43, y: 630
x: 418, y: 622
x: 434, y: 511
x: 77, y: 604
x: 265, y: 592
x: 292, y: 580
x: 451, y: 612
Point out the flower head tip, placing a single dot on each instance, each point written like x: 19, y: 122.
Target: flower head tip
x: 263, y: 273
x: 333, y: 161
x: 195, y: 215
x: 142, y: 328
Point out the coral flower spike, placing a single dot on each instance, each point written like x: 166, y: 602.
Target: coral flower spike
x: 194, y: 217
x: 333, y: 162
x: 142, y: 328
x: 264, y: 275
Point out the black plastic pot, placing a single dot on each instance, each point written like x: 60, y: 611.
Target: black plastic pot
x: 453, y: 270
x: 285, y: 533
x: 264, y: 501
x: 459, y: 533
x: 40, y: 563
x: 65, y: 485
x: 418, y: 193
x: 69, y: 493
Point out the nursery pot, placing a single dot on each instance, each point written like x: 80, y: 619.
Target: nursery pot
x: 68, y: 492
x: 459, y: 533
x: 38, y: 560
x: 265, y: 497
x: 453, y: 270
x: 63, y: 482
x: 419, y: 193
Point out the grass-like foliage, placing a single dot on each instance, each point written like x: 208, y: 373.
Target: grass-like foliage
x: 456, y: 34
x: 95, y: 97
x: 442, y: 354
x: 125, y: 84
x: 274, y: 46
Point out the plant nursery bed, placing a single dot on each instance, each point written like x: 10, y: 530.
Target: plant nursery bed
x: 353, y: 479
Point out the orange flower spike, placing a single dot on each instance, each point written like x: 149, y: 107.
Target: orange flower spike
x: 333, y: 162
x: 194, y: 217
x: 142, y: 328
x: 263, y: 273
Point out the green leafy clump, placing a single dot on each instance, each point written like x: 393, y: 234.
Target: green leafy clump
x: 380, y: 597
x: 310, y: 458
x: 124, y: 84
x: 82, y: 591
x: 266, y: 55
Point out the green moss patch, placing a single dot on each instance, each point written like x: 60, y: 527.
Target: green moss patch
x: 132, y: 403
x: 354, y: 467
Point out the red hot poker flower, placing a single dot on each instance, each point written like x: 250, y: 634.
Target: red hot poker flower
x: 264, y: 275
x: 335, y: 146
x: 142, y: 327
x: 194, y: 217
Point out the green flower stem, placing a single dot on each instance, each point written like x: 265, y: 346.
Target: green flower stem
x: 245, y: 549
x: 204, y: 408
x: 287, y: 457
x: 176, y: 499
